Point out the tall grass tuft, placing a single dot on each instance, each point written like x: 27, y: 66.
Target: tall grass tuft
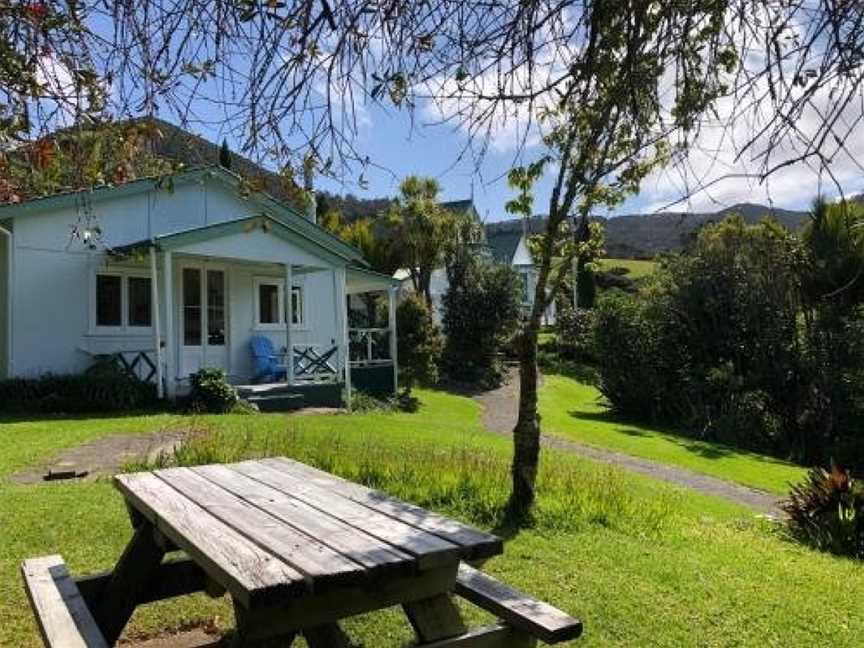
x: 468, y: 481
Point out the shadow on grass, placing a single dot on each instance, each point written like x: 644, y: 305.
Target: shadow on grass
x: 59, y: 417
x: 704, y: 448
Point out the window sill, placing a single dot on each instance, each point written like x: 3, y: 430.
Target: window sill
x: 120, y: 331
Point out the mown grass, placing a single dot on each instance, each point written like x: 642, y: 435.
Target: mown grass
x: 575, y: 411
x: 638, y: 268
x: 642, y: 563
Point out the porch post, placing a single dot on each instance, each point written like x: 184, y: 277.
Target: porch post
x: 391, y: 320
x: 154, y: 297
x: 170, y: 345
x: 339, y: 291
x: 289, y: 319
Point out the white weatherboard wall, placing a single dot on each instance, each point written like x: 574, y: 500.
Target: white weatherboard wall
x: 4, y: 306
x: 54, y: 290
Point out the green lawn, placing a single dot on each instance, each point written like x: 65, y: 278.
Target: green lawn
x: 575, y: 411
x: 638, y: 267
x: 641, y: 562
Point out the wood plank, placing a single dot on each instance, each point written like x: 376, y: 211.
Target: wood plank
x: 172, y: 578
x: 132, y: 576
x: 251, y: 574
x: 61, y: 613
x: 519, y: 610
x: 322, y: 566
x: 492, y: 636
x: 375, y: 555
x: 477, y: 544
x: 427, y: 549
x: 434, y: 618
x: 328, y: 607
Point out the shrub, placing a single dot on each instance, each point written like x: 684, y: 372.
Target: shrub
x: 481, y: 313
x: 419, y: 342
x: 826, y: 510
x: 211, y: 392
x: 103, y: 388
x: 713, y: 343
x: 574, y: 329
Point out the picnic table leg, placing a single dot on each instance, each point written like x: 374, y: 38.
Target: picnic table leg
x: 129, y: 582
x: 246, y: 623
x: 435, y: 618
x: 330, y: 635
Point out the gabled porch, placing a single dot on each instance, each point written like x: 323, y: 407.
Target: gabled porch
x: 219, y: 288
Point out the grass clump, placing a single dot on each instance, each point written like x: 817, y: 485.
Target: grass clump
x: 465, y: 480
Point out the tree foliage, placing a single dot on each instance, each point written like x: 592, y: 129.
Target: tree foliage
x: 726, y: 342
x: 420, y: 342
x: 423, y: 231
x: 480, y: 314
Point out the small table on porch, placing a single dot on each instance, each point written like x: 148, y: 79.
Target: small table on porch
x: 296, y: 548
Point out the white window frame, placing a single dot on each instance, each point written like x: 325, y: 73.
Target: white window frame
x: 280, y: 284
x: 125, y: 328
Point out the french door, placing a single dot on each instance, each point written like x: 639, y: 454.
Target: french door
x: 203, y: 319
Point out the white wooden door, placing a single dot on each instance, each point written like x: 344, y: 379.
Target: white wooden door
x: 203, y: 318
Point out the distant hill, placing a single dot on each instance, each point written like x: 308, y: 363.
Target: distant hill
x: 637, y: 236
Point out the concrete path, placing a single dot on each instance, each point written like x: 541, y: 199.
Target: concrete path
x: 500, y: 409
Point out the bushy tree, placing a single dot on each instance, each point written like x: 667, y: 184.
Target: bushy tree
x: 423, y: 232
x: 724, y: 343
x: 419, y: 342
x: 481, y: 313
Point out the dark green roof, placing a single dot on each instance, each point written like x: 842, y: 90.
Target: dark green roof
x: 461, y: 207
x: 503, y: 245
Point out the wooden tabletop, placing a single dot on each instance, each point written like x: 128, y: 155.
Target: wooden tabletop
x: 276, y: 529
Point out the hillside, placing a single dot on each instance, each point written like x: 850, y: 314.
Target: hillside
x: 646, y: 235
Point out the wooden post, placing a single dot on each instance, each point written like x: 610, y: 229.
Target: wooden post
x: 170, y: 345
x: 391, y: 320
x: 342, y: 340
x: 154, y: 297
x: 289, y: 319
x: 575, y: 283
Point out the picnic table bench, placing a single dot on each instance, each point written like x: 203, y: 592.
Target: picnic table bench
x: 297, y: 549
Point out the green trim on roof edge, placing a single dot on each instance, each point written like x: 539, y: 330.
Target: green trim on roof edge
x: 265, y: 222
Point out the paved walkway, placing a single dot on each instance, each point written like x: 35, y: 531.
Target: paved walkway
x: 500, y: 408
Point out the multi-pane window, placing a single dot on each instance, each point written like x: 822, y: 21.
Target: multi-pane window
x: 123, y: 301
x: 109, y: 300
x: 270, y: 303
x: 140, y: 306
x: 296, y: 305
x: 269, y: 311
x: 191, y: 307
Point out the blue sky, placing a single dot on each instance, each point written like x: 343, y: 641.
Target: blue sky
x: 399, y: 143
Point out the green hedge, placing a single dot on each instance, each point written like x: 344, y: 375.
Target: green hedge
x: 102, y: 389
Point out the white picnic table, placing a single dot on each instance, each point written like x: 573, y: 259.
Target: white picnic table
x: 297, y: 549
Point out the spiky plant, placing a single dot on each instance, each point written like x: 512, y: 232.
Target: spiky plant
x: 827, y: 510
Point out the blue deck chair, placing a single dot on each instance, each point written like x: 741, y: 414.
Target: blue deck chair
x: 268, y: 364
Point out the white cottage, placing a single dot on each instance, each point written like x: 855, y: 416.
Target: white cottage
x: 170, y: 277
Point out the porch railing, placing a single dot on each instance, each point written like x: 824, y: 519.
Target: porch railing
x: 139, y: 364
x: 369, y: 346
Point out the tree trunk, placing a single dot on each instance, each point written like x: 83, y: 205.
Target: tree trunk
x: 526, y: 434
